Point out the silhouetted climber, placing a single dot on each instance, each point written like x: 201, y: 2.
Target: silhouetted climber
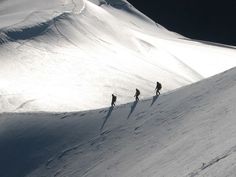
x: 113, y: 100
x: 137, y: 94
x: 158, y: 88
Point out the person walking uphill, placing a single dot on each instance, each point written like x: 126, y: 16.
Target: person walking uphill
x: 113, y: 100
x: 137, y: 94
x: 158, y: 88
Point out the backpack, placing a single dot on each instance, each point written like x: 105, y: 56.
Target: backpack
x: 159, y: 86
x: 137, y: 92
x: 113, y: 98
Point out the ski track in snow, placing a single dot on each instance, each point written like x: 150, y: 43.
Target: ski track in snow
x: 217, y: 159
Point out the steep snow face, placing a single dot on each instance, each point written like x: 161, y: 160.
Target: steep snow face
x: 73, y: 54
x: 188, y: 133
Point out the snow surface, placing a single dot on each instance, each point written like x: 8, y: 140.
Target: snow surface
x: 61, y: 56
x: 70, y: 55
x: 187, y: 133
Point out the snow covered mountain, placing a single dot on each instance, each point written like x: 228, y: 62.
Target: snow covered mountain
x: 69, y: 55
x: 58, y: 57
x: 187, y: 133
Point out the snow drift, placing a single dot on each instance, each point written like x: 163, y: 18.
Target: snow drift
x: 72, y: 55
x: 186, y: 133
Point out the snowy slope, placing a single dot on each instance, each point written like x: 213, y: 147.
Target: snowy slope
x: 69, y: 55
x: 187, y: 133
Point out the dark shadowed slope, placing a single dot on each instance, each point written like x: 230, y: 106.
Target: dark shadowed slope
x: 190, y: 132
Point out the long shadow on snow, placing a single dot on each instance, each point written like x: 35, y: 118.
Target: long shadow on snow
x: 154, y: 98
x: 107, y: 116
x: 132, y: 108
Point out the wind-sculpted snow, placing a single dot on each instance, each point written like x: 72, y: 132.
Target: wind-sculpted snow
x: 25, y: 13
x: 71, y: 55
x: 30, y: 22
x: 27, y: 33
x: 186, y: 133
